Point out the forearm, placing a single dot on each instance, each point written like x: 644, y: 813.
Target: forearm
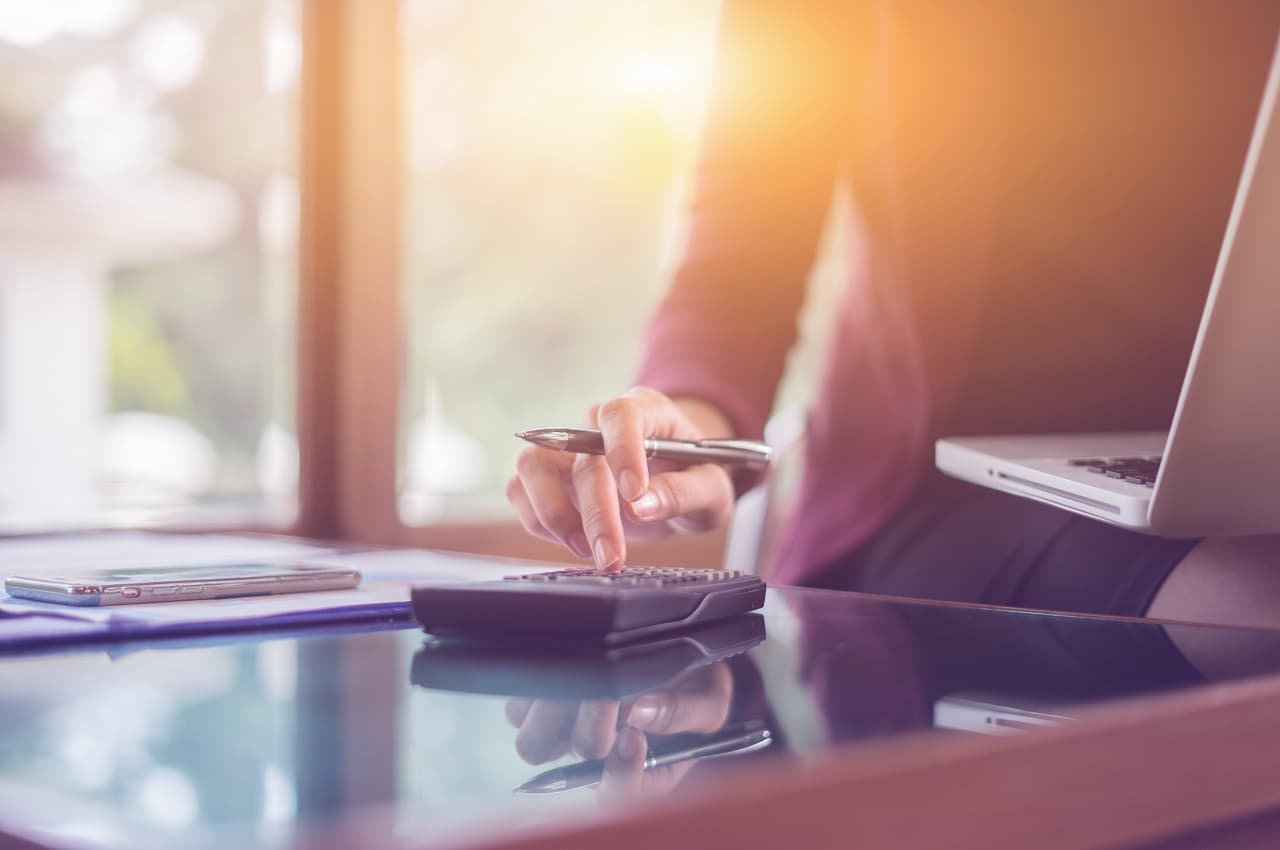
x: 771, y: 152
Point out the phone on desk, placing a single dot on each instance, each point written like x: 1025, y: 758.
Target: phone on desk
x: 130, y: 586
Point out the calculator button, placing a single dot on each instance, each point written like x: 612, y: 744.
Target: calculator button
x: 191, y: 588
x: 130, y: 592
x: 163, y: 591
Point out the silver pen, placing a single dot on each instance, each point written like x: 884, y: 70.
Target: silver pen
x: 735, y: 739
x: 748, y: 453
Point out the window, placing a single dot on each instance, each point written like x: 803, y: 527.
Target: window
x: 492, y: 204
x: 548, y: 150
x: 148, y: 216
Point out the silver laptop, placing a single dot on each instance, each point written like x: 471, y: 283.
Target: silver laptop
x: 1217, y: 470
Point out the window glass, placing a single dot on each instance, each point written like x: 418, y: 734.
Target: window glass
x: 148, y: 215
x: 548, y: 151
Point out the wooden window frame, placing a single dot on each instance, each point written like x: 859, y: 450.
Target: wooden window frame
x: 351, y: 329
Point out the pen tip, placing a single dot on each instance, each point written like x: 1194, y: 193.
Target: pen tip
x: 546, y: 783
x: 548, y: 438
x: 530, y: 787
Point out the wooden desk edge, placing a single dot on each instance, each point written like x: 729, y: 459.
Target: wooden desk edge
x: 1128, y: 774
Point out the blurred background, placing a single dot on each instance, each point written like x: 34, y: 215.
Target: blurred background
x: 149, y: 209
x: 148, y: 222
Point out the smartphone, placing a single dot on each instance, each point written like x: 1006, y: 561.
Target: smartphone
x: 125, y: 586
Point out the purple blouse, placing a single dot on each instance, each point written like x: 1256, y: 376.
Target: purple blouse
x: 1040, y: 192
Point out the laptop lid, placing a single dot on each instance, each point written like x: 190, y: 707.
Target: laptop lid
x: 1221, y: 469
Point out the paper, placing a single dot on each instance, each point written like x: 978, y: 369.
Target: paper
x: 424, y: 566
x: 29, y: 628
x: 387, y: 576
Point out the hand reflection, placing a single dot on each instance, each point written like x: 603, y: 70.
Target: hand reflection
x: 620, y: 732
x: 625, y: 780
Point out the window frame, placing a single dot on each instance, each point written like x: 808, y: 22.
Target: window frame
x: 351, y: 328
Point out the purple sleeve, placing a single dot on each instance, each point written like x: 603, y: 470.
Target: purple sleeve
x: 770, y: 152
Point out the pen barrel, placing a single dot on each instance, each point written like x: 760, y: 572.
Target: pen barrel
x: 582, y: 774
x: 591, y: 771
x: 709, y: 749
x: 692, y: 453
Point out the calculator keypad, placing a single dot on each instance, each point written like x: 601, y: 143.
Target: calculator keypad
x: 630, y: 577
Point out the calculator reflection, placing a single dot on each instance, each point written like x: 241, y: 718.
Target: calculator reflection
x: 633, y: 721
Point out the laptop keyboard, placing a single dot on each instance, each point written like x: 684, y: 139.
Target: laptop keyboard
x: 1135, y: 470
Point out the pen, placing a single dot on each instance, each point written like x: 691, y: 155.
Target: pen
x: 748, y: 453
x: 732, y: 740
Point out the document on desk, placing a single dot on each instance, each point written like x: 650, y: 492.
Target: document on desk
x: 383, y: 592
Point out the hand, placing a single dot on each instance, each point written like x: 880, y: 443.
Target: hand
x: 698, y: 701
x: 593, y: 504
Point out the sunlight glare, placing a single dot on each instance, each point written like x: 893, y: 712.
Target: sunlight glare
x: 653, y: 73
x: 674, y: 81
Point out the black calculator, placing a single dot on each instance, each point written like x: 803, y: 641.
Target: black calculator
x: 581, y: 605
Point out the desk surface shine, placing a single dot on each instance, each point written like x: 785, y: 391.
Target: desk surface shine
x: 270, y: 740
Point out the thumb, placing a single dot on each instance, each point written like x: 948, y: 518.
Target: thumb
x: 701, y: 495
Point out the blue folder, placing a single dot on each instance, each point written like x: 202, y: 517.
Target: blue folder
x: 41, y: 630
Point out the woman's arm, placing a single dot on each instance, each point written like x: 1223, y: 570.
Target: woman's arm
x: 772, y: 144
x: 770, y: 153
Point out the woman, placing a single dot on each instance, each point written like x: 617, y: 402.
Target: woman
x: 1041, y: 191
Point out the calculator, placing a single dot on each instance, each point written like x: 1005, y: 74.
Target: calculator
x: 582, y: 605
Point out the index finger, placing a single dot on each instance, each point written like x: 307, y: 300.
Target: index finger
x: 623, y: 427
x: 625, y: 422
x: 625, y: 779
x: 544, y: 732
x: 598, y: 504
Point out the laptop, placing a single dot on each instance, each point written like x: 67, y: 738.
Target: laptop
x: 1217, y: 470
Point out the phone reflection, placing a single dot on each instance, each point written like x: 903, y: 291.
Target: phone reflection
x: 639, y: 718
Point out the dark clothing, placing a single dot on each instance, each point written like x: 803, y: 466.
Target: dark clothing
x: 1041, y: 190
x: 961, y: 543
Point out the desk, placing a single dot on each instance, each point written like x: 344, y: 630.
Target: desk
x: 323, y: 739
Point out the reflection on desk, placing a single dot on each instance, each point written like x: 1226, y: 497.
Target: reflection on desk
x: 268, y: 742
